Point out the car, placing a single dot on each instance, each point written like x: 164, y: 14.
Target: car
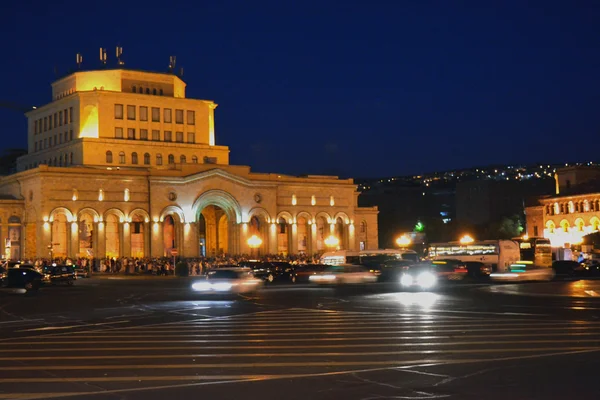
x: 305, y: 271
x: 392, y: 270
x: 570, y: 268
x: 452, y: 270
x: 82, y: 272
x: 524, y: 271
x: 344, y: 274
x: 57, y: 274
x: 272, y: 271
x: 23, y: 278
x: 424, y: 275
x: 226, y: 281
x: 2, y: 275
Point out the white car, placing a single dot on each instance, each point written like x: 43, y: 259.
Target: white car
x: 228, y: 280
x: 343, y: 275
x: 524, y: 272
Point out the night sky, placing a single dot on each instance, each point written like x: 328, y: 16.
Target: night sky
x: 353, y: 88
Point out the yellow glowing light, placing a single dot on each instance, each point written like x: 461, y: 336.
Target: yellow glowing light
x: 313, y: 200
x: 46, y: 225
x: 331, y: 201
x: 525, y: 237
x: 403, y: 241
x: 100, y: 195
x: 466, y: 239
x: 332, y: 241
x: 45, y: 219
x: 254, y: 242
x: 90, y: 122
x: 294, y: 200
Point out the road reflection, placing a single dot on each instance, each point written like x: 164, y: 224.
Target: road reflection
x: 424, y: 300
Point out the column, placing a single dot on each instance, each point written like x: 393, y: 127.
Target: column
x: 313, y: 238
x: 293, y: 244
x: 74, y: 232
x: 125, y: 239
x: 101, y: 240
x: 352, y: 237
x: 273, y: 238
x: 147, y: 239
x: 243, y: 230
x: 157, y: 239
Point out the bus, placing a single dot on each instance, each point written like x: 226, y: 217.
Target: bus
x: 537, y: 250
x: 368, y: 256
x: 495, y: 254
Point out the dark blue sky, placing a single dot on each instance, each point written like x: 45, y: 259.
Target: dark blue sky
x: 356, y: 88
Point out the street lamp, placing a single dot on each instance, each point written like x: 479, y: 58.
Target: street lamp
x: 254, y: 242
x: 332, y: 241
x: 403, y: 241
x: 466, y: 239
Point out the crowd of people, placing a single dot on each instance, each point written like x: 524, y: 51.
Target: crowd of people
x: 163, y: 266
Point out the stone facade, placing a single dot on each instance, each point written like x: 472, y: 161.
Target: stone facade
x: 102, y: 192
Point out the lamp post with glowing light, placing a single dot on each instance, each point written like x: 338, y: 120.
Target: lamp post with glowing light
x: 403, y: 241
x: 332, y: 242
x: 254, y: 242
x: 466, y: 239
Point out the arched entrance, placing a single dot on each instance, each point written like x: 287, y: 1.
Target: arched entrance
x: 14, y: 237
x: 340, y: 232
x: 218, y: 214
x: 169, y: 242
x: 303, y: 235
x: 86, y: 234
x: 138, y: 232
x: 59, y: 238
x: 112, y: 236
x: 283, y: 237
x: 322, y: 232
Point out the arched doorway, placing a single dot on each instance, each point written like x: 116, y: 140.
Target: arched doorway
x: 14, y: 237
x: 138, y: 236
x: 340, y: 232
x: 59, y: 236
x: 322, y: 232
x: 168, y: 235
x: 302, y: 234
x: 86, y: 235
x: 112, y: 236
x: 259, y: 227
x: 213, y: 231
x: 283, y: 237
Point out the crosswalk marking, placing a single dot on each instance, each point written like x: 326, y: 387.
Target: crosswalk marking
x: 273, y: 344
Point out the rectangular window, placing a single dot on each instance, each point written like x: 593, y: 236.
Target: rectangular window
x: 143, y: 113
x: 168, y: 115
x: 46, y: 143
x: 144, y: 134
x: 179, y: 137
x: 168, y: 137
x: 191, y: 137
x: 118, y: 133
x: 71, y: 114
x: 45, y: 124
x: 118, y: 111
x: 60, y: 138
x: 60, y: 118
x: 179, y: 116
x: 131, y: 112
x: 35, y: 146
x: 50, y: 141
x: 55, y: 124
x: 66, y: 112
x: 155, y: 114
x: 50, y: 122
x: 155, y: 135
x: 131, y: 133
x: 191, y: 117
x: 55, y: 141
x: 66, y: 136
x: 35, y: 127
x: 71, y: 134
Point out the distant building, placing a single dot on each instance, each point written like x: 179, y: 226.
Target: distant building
x: 572, y: 212
x: 122, y: 163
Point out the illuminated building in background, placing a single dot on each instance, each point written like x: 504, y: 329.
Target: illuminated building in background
x: 122, y: 163
x: 565, y: 218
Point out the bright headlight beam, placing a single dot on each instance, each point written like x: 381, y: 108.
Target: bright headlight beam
x: 426, y: 280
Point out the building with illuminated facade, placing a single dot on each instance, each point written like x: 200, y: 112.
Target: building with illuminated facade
x: 573, y: 212
x: 122, y: 163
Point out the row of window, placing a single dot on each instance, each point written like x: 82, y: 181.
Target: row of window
x: 132, y: 114
x: 159, y: 159
x: 52, y: 121
x: 57, y: 139
x: 63, y: 160
x: 135, y: 89
x: 573, y: 207
x: 313, y: 200
x: 156, y: 136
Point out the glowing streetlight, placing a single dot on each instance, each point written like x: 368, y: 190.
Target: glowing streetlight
x: 332, y: 241
x: 403, y: 241
x: 525, y: 237
x: 466, y: 239
x: 254, y: 242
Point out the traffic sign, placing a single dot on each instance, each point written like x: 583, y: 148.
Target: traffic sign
x: 174, y: 252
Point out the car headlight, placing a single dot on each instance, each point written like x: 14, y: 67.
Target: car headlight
x: 222, y: 286
x: 426, y: 280
x: 406, y: 280
x: 201, y: 286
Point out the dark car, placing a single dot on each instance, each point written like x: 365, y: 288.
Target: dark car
x: 57, y: 274
x: 423, y: 276
x: 570, y: 268
x: 304, y: 271
x: 2, y: 275
x: 23, y: 278
x: 478, y: 270
x: 453, y: 270
x: 392, y: 270
x: 272, y: 271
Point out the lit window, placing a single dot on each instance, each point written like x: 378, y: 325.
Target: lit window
x: 191, y: 117
x: 134, y: 158
x: 191, y: 137
x: 109, y: 158
x: 118, y: 132
x: 133, y: 89
x: 313, y: 200
x: 294, y: 200
x: 118, y: 111
x: 179, y: 116
x: 122, y: 157
x: 143, y: 113
x: 131, y: 113
x: 126, y: 195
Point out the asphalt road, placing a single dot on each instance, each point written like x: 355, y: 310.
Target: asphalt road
x: 154, y: 339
